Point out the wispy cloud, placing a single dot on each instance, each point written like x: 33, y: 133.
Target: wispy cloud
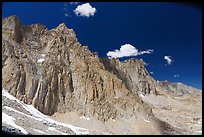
x: 66, y: 15
x: 151, y: 72
x: 168, y: 59
x: 85, y: 10
x: 74, y: 3
x: 176, y: 76
x: 65, y: 8
x: 127, y: 50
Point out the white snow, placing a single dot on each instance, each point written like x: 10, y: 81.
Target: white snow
x: 83, y: 117
x: 9, y: 120
x: 9, y: 96
x: 199, y: 131
x: 34, y: 111
x: 53, y: 129
x: 37, y: 130
x: 43, y: 55
x: 199, y: 122
x: 41, y: 60
x: 146, y: 120
x: 142, y: 95
x: 88, y: 118
x: 9, y: 108
x: 38, y: 114
x: 41, y: 117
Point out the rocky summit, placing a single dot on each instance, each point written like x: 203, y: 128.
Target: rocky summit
x: 52, y: 71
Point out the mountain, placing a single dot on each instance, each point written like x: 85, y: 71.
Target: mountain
x: 52, y: 71
x: 177, y: 88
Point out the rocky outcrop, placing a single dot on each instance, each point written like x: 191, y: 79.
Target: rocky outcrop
x: 133, y: 74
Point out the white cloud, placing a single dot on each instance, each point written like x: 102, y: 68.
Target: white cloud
x: 127, y: 50
x: 146, y: 52
x: 151, y: 72
x: 85, y: 10
x: 168, y: 59
x: 74, y: 3
x: 176, y: 76
x: 66, y: 15
x: 65, y: 9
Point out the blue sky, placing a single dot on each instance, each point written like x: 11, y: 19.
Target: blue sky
x: 169, y: 29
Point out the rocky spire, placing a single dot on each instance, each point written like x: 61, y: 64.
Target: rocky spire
x: 12, y: 27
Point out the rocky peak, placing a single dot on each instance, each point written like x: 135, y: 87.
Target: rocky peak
x: 61, y: 27
x: 12, y: 28
x: 9, y: 21
x: 133, y: 73
x: 37, y: 29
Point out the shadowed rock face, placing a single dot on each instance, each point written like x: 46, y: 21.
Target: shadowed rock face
x: 52, y: 71
x: 133, y: 74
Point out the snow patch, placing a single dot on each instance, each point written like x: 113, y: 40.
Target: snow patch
x: 199, y: 122
x: 41, y: 60
x: 83, y: 117
x: 199, y: 131
x: 37, y: 130
x: 40, y: 116
x: 142, y: 95
x: 9, y: 120
x: 9, y: 108
x: 9, y: 96
x: 146, y: 120
x: 53, y: 129
x: 43, y: 55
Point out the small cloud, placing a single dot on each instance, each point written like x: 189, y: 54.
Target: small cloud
x: 168, y: 59
x: 176, y: 76
x: 151, y: 72
x: 65, y: 9
x: 85, y: 10
x: 127, y: 50
x: 146, y: 52
x: 74, y: 3
x: 66, y: 15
